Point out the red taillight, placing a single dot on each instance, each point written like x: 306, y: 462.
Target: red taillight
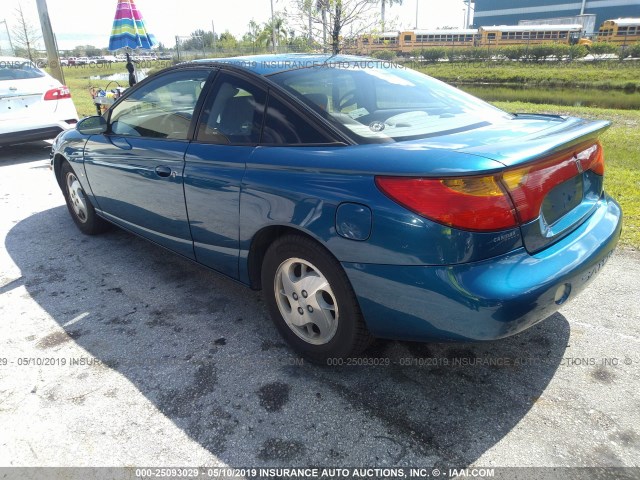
x: 470, y: 203
x: 57, y: 93
x: 490, y: 203
x: 528, y: 186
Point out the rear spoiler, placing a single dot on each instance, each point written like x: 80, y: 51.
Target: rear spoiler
x: 566, y: 133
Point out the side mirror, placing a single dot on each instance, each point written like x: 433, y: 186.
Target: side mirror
x: 92, y: 125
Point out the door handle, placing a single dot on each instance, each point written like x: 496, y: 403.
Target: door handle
x: 163, y: 171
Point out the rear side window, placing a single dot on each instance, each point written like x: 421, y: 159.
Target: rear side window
x: 284, y: 126
x: 19, y: 70
x: 233, y: 114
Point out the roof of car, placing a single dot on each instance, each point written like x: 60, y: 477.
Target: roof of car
x: 270, y: 64
x: 14, y: 59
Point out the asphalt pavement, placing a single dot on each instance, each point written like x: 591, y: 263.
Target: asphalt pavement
x: 116, y: 352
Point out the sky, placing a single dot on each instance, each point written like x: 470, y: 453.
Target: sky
x: 88, y: 22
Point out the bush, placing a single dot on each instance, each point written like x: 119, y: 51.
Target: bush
x: 578, y: 51
x: 632, y: 51
x: 388, y: 55
x: 512, y: 52
x: 467, y: 53
x: 432, y: 54
x: 547, y: 50
x: 602, y: 48
x: 560, y: 51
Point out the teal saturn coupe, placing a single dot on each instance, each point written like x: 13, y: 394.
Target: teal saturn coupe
x: 363, y: 198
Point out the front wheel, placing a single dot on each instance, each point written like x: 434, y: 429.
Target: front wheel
x: 79, y: 206
x: 311, y: 300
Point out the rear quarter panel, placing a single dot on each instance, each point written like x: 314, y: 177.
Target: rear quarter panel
x: 302, y: 187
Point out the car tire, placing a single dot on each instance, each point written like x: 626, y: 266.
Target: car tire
x: 311, y: 301
x: 80, y: 208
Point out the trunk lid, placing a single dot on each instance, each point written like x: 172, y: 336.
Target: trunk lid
x: 24, y: 98
x: 553, y: 170
x: 554, y: 176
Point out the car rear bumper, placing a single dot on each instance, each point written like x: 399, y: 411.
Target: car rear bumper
x: 29, y: 135
x: 485, y: 300
x: 21, y: 132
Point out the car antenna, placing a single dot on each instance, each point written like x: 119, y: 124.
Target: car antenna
x: 328, y: 59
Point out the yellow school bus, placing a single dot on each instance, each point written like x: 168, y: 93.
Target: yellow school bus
x: 502, y: 35
x: 623, y: 31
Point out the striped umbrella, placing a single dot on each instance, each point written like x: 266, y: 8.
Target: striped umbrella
x: 128, y: 28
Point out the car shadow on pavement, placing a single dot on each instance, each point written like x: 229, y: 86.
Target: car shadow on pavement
x: 203, y: 351
x: 28, y: 152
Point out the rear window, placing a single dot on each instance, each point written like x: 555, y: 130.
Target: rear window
x: 19, y: 70
x: 381, y: 102
x: 283, y: 126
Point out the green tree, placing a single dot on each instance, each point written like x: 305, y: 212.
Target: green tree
x: 340, y: 18
x: 92, y: 51
x: 196, y: 41
x: 298, y: 43
x: 383, y: 8
x: 251, y: 38
x: 312, y: 12
x: 227, y: 41
x: 274, y: 30
x: 306, y: 7
x: 322, y: 6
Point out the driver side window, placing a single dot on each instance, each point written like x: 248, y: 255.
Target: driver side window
x: 163, y: 108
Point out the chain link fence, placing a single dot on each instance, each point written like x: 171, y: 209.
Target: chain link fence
x: 193, y: 47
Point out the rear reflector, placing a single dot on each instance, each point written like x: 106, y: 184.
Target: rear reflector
x: 496, y: 202
x: 592, y: 158
x: 57, y: 93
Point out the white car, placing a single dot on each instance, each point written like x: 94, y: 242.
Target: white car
x: 107, y: 59
x: 33, y: 105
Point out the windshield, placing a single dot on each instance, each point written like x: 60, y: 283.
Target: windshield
x: 17, y: 69
x: 376, y: 102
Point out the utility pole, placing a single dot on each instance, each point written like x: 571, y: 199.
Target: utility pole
x: 273, y: 29
x: 49, y: 41
x: 310, y: 41
x: 417, y: 3
x: 468, y: 25
x: 213, y: 32
x: 13, y: 52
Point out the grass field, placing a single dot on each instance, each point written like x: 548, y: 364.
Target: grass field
x: 602, y: 74
x: 79, y: 80
x: 572, y: 96
x: 621, y: 141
